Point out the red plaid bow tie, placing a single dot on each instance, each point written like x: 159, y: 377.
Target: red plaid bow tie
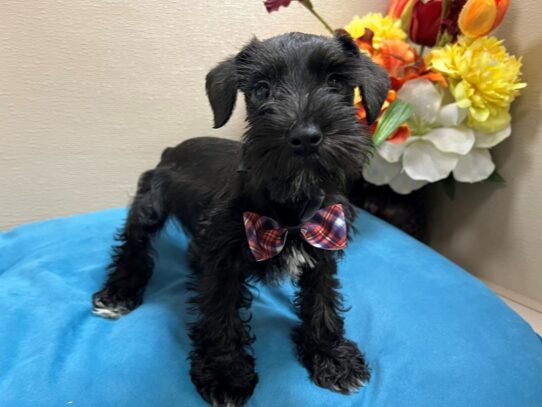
x: 326, y: 229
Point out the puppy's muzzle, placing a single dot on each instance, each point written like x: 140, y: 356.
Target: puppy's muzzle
x: 304, y: 140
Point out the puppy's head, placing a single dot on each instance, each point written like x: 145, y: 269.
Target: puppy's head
x: 302, y: 126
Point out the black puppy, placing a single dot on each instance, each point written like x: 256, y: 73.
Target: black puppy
x: 302, y: 147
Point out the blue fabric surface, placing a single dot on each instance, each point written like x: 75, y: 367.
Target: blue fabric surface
x: 433, y: 335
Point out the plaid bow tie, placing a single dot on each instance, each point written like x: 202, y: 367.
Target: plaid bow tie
x: 326, y: 229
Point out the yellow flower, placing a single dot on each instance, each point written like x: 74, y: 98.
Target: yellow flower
x: 483, y: 78
x: 384, y: 28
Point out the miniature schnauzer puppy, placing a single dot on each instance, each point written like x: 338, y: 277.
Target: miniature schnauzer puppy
x: 271, y: 206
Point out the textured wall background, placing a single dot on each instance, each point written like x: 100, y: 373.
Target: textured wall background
x: 91, y: 92
x: 495, y: 232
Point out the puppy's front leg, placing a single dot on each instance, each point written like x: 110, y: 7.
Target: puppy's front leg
x: 333, y: 362
x: 222, y: 368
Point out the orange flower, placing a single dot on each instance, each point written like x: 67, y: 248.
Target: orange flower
x: 397, y: 8
x: 365, y: 42
x: 398, y: 58
x: 403, y: 64
x: 480, y: 17
x: 502, y: 8
x: 400, y: 135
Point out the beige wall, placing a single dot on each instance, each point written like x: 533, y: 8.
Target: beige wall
x: 92, y: 91
x: 496, y: 232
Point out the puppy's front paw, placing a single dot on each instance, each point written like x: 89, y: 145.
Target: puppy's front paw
x: 225, y: 381
x: 341, y: 369
x: 113, y: 304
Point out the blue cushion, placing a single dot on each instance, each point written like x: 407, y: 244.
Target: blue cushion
x: 433, y: 335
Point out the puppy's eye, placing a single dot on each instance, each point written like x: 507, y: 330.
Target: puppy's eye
x: 335, y: 82
x: 261, y: 91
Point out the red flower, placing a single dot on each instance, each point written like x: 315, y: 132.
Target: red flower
x: 426, y: 22
x: 449, y: 22
x: 274, y: 5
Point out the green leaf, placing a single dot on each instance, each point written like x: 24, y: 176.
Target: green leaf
x: 397, y: 113
x: 496, y: 177
x: 449, y: 186
x: 407, y: 16
x: 443, y: 39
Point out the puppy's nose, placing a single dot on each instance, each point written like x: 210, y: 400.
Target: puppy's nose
x: 305, y: 139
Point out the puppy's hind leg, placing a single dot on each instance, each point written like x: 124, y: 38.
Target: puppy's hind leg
x: 132, y: 262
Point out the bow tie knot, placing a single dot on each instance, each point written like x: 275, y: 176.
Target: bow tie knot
x: 326, y: 230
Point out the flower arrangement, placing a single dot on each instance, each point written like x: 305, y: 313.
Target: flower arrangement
x: 452, y: 88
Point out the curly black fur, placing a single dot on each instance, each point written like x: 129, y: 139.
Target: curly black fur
x: 293, y: 84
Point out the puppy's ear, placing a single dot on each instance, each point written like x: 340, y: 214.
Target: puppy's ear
x: 221, y: 86
x: 374, y: 81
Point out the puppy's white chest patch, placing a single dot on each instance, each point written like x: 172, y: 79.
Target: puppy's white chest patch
x: 295, y: 260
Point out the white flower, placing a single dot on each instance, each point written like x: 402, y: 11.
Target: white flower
x: 440, y: 144
x: 475, y: 166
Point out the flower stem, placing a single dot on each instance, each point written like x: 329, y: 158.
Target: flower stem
x: 308, y: 5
